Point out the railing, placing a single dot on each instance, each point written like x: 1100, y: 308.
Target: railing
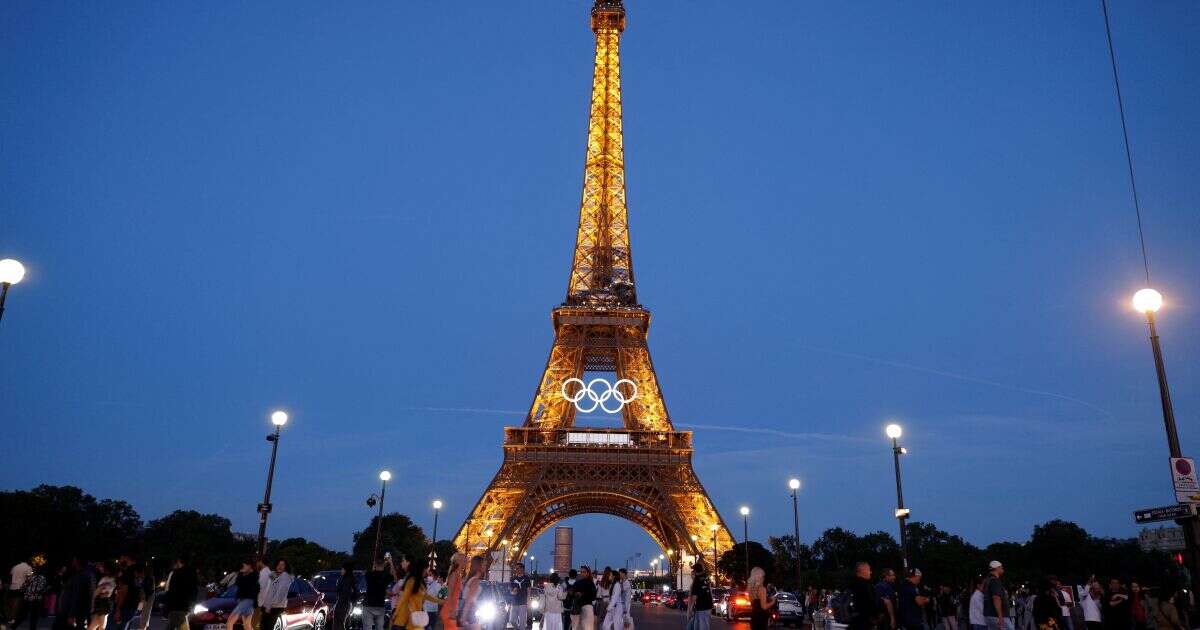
x: 597, y: 438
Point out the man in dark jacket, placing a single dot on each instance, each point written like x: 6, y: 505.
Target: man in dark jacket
x: 74, y: 607
x: 865, y: 605
x: 182, y: 586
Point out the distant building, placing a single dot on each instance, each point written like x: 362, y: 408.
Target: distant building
x: 1161, y: 539
x: 564, y: 541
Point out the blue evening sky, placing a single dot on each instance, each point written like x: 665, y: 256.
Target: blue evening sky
x: 841, y: 213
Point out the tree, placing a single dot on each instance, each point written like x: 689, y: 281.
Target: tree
x: 306, y: 557
x: 785, y: 553
x: 206, y: 538
x: 942, y: 557
x: 64, y: 520
x: 732, y: 563
x: 1062, y: 548
x: 400, y: 536
x: 445, y: 551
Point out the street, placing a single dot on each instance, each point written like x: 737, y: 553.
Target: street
x: 651, y: 617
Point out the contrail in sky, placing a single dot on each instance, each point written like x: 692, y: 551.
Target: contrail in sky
x: 960, y: 377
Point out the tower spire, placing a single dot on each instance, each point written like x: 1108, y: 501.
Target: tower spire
x: 602, y: 269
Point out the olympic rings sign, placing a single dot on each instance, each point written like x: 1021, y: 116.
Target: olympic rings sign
x: 598, y: 397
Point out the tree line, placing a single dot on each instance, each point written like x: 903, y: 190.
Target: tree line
x: 60, y: 521
x: 63, y: 521
x: 1057, y: 547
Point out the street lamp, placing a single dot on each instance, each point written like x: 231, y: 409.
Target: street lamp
x: 437, y: 507
x: 11, y: 272
x: 894, y: 431
x: 278, y: 418
x: 1148, y: 301
x: 794, y: 484
x: 503, y: 559
x: 384, y: 477
x: 745, y: 512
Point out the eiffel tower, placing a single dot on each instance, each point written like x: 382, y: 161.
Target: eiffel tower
x: 554, y: 469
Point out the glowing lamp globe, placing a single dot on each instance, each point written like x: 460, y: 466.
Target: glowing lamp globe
x: 1144, y: 301
x: 437, y: 504
x: 893, y: 431
x: 794, y: 484
x: 11, y: 271
x: 744, y: 511
x: 279, y: 418
x: 385, y: 475
x: 714, y: 527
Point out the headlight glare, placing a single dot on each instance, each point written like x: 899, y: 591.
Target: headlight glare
x: 486, y: 612
x: 199, y: 608
x: 357, y: 611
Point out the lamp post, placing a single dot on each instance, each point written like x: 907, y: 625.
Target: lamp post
x: 1148, y: 301
x: 384, y: 477
x: 894, y: 431
x: 794, y: 484
x: 437, y: 508
x: 745, y: 512
x: 503, y: 560
x: 11, y: 272
x: 278, y: 418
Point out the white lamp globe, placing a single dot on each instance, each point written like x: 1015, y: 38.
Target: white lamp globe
x: 385, y: 475
x: 1144, y: 301
x: 11, y: 271
x: 794, y: 484
x: 279, y: 418
x: 744, y: 511
x: 437, y: 504
x: 893, y: 431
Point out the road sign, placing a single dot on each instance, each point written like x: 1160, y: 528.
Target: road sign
x: 1165, y: 513
x: 1187, y: 486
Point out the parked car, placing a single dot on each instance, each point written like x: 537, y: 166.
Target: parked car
x: 306, y: 609
x: 788, y: 609
x: 327, y: 582
x: 737, y: 605
x: 718, y: 595
x: 650, y: 597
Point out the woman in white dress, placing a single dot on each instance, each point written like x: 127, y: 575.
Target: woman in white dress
x: 614, y: 616
x: 553, y: 595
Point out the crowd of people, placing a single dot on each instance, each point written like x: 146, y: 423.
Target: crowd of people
x: 78, y: 595
x: 988, y: 604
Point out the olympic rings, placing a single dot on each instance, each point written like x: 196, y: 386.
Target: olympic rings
x: 598, y: 398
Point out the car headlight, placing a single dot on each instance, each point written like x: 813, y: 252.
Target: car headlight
x: 357, y: 611
x: 199, y: 608
x: 535, y: 604
x: 486, y: 612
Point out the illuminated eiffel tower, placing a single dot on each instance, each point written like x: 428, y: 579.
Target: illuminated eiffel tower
x: 554, y: 469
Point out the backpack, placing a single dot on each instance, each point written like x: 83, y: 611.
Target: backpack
x: 35, y: 588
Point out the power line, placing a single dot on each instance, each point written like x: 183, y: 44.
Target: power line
x: 1137, y: 206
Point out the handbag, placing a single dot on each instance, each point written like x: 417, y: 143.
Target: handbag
x: 418, y: 619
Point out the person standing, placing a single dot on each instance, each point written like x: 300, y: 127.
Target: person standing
x: 466, y: 614
x: 865, y: 607
x: 264, y: 580
x: 454, y: 584
x: 626, y: 596
x: 412, y: 598
x: 1091, y: 602
x: 614, y: 614
x: 760, y: 602
x: 104, y: 596
x: 571, y: 602
x: 347, y: 595
x: 947, y: 608
x: 245, y: 584
x: 885, y: 590
x: 12, y: 598
x: 374, y: 615
x: 1137, y: 606
x: 585, y: 589
x: 276, y: 598
x: 700, y: 601
x: 434, y: 587
x: 518, y: 589
x: 911, y: 603
x: 1118, y: 610
x: 975, y: 607
x: 1066, y: 602
x: 602, y: 592
x: 1167, y: 616
x: 33, y: 596
x: 1047, y: 613
x: 995, y: 598
x: 182, y: 585
x: 552, y: 615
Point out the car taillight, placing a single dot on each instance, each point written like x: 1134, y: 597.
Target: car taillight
x: 741, y: 602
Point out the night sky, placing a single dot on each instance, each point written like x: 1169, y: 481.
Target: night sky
x: 840, y: 214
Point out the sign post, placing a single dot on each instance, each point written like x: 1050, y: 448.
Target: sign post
x: 1187, y: 486
x: 1165, y: 513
